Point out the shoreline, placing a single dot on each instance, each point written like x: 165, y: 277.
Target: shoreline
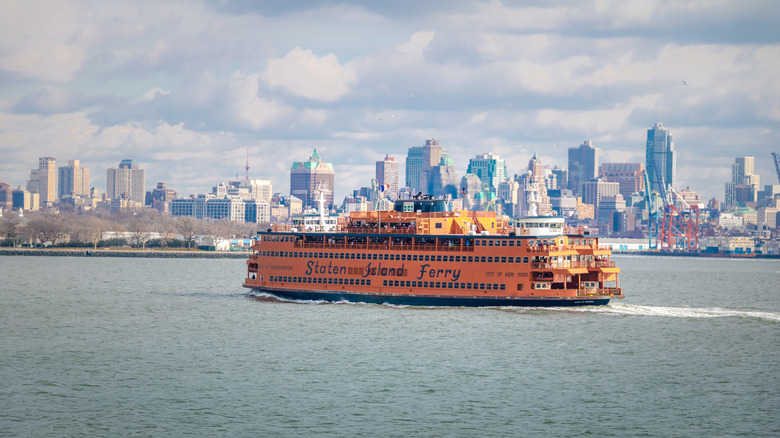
x: 89, y: 252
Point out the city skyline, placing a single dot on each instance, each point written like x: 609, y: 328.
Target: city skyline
x: 101, y: 82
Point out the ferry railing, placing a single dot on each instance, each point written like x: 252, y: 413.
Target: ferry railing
x: 565, y: 264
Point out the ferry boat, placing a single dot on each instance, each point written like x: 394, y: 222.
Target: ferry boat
x: 420, y: 254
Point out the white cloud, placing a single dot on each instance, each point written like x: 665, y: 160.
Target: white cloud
x: 304, y: 74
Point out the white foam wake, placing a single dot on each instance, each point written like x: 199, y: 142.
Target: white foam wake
x: 683, y: 312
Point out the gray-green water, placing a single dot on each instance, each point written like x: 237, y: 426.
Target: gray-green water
x: 172, y: 347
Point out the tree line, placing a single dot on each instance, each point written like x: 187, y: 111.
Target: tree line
x: 141, y: 228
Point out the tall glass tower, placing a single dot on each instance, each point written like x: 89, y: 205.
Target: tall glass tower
x: 661, y: 158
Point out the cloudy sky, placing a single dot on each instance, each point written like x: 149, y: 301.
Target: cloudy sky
x: 184, y: 87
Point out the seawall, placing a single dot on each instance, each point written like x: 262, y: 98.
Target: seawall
x: 88, y: 252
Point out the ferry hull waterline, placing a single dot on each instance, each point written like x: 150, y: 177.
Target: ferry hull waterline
x: 422, y: 255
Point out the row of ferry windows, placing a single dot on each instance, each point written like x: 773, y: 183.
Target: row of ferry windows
x: 320, y: 280
x: 394, y: 257
x: 444, y: 242
x: 444, y: 284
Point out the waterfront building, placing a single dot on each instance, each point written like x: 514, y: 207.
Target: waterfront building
x: 127, y: 182
x: 387, y: 176
x: 766, y: 217
x: 630, y: 176
x: 583, y: 165
x: 307, y: 178
x: 660, y: 158
x: 25, y: 199
x: 72, y: 180
x: 6, y: 198
x: 43, y: 181
x: 160, y: 198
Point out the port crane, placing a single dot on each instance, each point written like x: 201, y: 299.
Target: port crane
x: 679, y: 230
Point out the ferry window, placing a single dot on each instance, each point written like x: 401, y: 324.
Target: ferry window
x: 438, y: 225
x: 395, y: 283
x: 509, y: 260
x: 471, y: 258
x: 452, y: 258
x: 503, y: 259
x: 503, y: 286
x: 482, y: 285
x: 490, y: 243
x: 503, y: 243
x: 362, y: 282
x: 384, y: 282
x: 427, y: 259
x: 468, y: 285
x: 368, y: 282
x: 352, y: 281
x: 457, y: 286
x: 438, y: 258
x: 425, y: 284
x: 520, y: 287
x: 438, y: 284
x: 449, y: 285
x: 414, y: 257
x: 414, y: 283
x: 525, y: 259
x: 490, y: 259
x: 511, y: 243
x: 352, y: 256
x: 488, y: 286
x: 483, y: 259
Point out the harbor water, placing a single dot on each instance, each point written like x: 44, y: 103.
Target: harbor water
x: 176, y: 347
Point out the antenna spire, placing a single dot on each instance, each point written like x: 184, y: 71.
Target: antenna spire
x: 247, y: 164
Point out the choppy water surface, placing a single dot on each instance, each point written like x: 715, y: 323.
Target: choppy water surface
x: 174, y: 347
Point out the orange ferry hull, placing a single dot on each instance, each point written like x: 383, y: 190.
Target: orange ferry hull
x: 432, y: 300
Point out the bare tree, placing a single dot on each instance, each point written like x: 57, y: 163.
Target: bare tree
x: 188, y: 227
x: 165, y: 226
x: 48, y: 226
x: 89, y: 229
x: 139, y: 231
x: 12, y: 228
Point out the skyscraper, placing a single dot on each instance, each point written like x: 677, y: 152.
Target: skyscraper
x: 72, y: 180
x: 307, y: 177
x: 583, y: 165
x: 387, y: 176
x: 490, y: 169
x: 661, y: 158
x: 744, y: 184
x: 414, y: 165
x: 127, y: 182
x: 432, y: 154
x: 43, y: 181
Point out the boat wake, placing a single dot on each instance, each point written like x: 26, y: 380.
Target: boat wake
x: 680, y: 312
